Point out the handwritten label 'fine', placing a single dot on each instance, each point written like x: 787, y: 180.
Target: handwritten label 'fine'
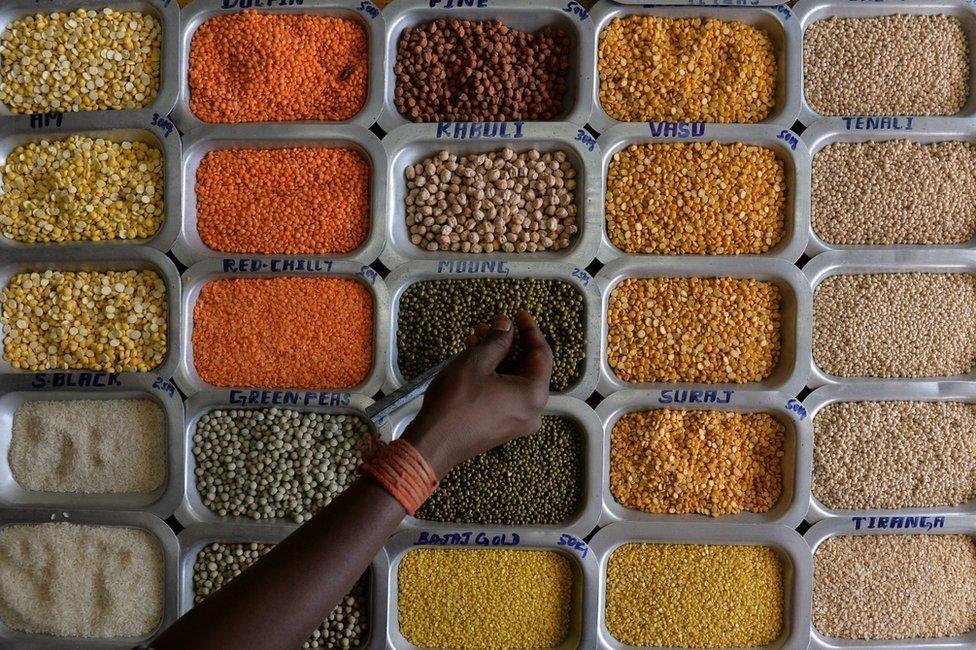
x: 458, y: 4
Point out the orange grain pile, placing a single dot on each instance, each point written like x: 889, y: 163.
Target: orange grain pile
x: 283, y: 201
x: 261, y: 67
x: 285, y: 332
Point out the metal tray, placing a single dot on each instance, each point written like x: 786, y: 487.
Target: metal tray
x: 875, y: 263
x: 161, y: 502
x: 125, y: 258
x: 195, y: 537
x: 790, y: 374
x: 585, y: 519
x: 810, y: 11
x: 789, y: 149
x: 404, y: 276
x: 108, y: 127
x: 798, y: 451
x: 517, y: 14
x: 168, y: 14
x: 916, y: 129
x: 581, y: 633
x: 206, y: 271
x: 409, y: 145
x: 866, y: 525
x: 190, y: 248
x: 789, y: 546
x: 192, y: 510
x: 779, y: 23
x: 141, y: 520
x: 896, y: 391
x: 372, y: 20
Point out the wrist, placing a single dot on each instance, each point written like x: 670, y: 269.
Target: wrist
x: 431, y: 444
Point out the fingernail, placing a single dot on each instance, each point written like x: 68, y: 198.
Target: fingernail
x: 501, y: 323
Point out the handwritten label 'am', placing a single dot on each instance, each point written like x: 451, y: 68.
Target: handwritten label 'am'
x: 46, y: 120
x: 479, y: 130
x: 898, y: 522
x: 287, y: 398
x: 469, y: 538
x: 695, y: 396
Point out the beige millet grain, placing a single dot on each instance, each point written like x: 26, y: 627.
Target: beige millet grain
x: 894, y: 192
x: 706, y: 330
x: 116, y: 445
x: 877, y: 455
x: 481, y: 599
x: 679, y: 461
x: 891, y: 325
x: 886, y: 65
x: 694, y: 596
x: 80, y: 580
x: 500, y: 201
x: 703, y: 198
x: 686, y: 70
x: 895, y: 586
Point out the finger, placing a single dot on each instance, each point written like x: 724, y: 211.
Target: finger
x: 494, y: 345
x: 536, y: 361
x: 478, y: 333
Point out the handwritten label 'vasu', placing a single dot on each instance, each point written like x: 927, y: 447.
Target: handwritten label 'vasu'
x: 479, y: 130
x: 677, y: 129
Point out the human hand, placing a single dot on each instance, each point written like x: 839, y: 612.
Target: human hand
x: 470, y: 407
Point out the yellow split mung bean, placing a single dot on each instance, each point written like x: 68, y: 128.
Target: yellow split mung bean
x: 85, y: 60
x: 686, y: 70
x: 705, y: 330
x: 81, y: 189
x: 109, y: 321
x: 488, y: 599
x: 694, y: 596
x: 702, y: 198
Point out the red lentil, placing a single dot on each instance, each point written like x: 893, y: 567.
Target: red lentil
x: 259, y: 67
x: 284, y: 332
x: 283, y: 201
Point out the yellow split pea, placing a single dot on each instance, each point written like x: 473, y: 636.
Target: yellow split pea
x: 484, y: 599
x: 694, y: 596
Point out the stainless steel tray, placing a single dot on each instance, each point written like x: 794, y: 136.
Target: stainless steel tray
x: 789, y: 546
x: 789, y: 149
x: 195, y: 537
x: 798, y: 451
x: 410, y: 144
x: 192, y: 510
x: 790, y: 374
x: 109, y: 127
x: 190, y: 248
x: 517, y: 14
x: 124, y: 258
x: 895, y: 391
x: 878, y: 262
x: 209, y: 270
x: 404, y: 276
x: 779, y: 23
x: 168, y: 14
x: 581, y: 633
x: 168, y: 545
x: 162, y: 502
x: 586, y: 519
x: 810, y: 11
x: 363, y: 11
x: 855, y: 129
x: 867, y: 525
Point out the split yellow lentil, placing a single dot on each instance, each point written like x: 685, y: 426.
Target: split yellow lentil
x: 489, y: 599
x: 694, y: 596
x: 703, y: 198
x: 704, y: 330
x: 81, y: 189
x: 675, y: 461
x: 110, y: 321
x: 686, y: 70
x: 85, y: 60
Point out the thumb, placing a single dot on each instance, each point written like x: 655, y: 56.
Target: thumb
x: 495, y: 346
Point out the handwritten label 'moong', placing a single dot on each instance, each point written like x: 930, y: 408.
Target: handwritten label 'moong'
x: 473, y: 267
x: 287, y: 398
x: 480, y: 130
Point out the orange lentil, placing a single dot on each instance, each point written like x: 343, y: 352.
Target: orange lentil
x: 260, y: 67
x: 283, y: 201
x: 284, y: 332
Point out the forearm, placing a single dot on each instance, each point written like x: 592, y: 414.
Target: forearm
x: 279, y: 601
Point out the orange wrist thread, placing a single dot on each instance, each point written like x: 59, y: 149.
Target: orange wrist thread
x: 403, y: 472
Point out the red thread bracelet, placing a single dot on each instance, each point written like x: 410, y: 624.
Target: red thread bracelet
x: 403, y: 472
